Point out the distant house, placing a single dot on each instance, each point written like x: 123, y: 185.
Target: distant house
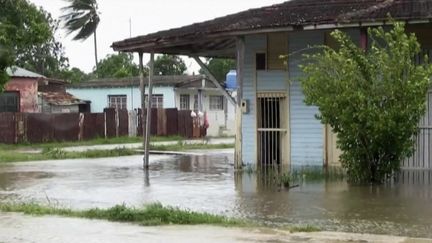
x: 30, y: 92
x: 274, y: 125
x: 203, y: 95
x: 184, y: 92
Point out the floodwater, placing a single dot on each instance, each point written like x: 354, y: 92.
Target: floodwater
x: 208, y: 183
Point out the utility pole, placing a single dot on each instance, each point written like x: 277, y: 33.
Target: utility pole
x: 148, y: 116
x: 142, y: 90
x: 130, y: 27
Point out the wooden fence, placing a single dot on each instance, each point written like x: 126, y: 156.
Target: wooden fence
x: 40, y: 127
x: 422, y: 157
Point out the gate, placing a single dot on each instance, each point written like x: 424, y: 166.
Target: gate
x: 422, y: 157
x: 271, y: 128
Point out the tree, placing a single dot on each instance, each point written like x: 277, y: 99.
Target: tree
x: 220, y: 67
x: 22, y: 25
x: 372, y: 99
x: 47, y: 58
x: 169, y: 65
x: 74, y: 75
x: 117, y: 66
x: 82, y: 16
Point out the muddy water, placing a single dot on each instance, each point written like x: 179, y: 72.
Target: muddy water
x: 208, y: 183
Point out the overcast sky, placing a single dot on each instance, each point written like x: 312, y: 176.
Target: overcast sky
x: 147, y: 16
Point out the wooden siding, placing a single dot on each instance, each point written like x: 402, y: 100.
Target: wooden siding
x: 422, y: 157
x: 306, y: 131
x: 332, y: 152
x: 253, y: 44
x: 306, y: 134
x: 272, y: 81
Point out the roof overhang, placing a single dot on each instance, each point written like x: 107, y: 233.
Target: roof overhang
x: 217, y: 37
x: 222, y: 45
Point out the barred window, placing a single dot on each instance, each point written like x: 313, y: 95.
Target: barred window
x: 184, y: 102
x: 117, y: 101
x: 9, y: 102
x: 216, y: 102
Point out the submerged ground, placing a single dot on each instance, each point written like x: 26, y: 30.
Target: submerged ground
x: 207, y: 182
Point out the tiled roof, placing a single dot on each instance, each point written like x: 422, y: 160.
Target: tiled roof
x: 294, y: 14
x: 135, y: 81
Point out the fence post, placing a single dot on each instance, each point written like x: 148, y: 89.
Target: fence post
x: 132, y: 129
x: 105, y: 124
x: 117, y: 122
x: 81, y: 126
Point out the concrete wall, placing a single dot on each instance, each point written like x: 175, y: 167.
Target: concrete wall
x: 99, y: 96
x: 28, y: 90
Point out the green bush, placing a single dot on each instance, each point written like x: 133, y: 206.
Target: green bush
x: 372, y: 99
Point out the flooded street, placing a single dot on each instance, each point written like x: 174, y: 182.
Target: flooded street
x: 208, y: 183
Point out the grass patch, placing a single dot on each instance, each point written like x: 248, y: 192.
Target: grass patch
x: 7, y: 156
x: 183, y: 147
x: 96, y: 141
x: 150, y: 215
x: 303, y: 228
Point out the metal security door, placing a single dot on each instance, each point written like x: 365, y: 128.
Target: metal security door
x: 271, y: 128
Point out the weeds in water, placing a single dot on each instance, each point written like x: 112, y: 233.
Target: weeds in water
x: 249, y: 169
x: 152, y: 214
x: 276, y: 176
x: 54, y: 153
x: 304, y: 228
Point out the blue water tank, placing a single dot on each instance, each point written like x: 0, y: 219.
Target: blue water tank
x: 231, y: 80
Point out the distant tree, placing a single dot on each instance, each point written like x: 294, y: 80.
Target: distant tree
x: 47, y: 58
x: 82, y: 16
x: 373, y: 99
x: 117, y: 66
x: 220, y: 67
x: 74, y: 75
x: 22, y: 25
x: 169, y: 65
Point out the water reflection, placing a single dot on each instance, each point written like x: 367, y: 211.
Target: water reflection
x: 399, y: 208
x: 146, y: 178
x: 208, y: 183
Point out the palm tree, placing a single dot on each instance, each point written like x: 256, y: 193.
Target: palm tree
x: 82, y: 16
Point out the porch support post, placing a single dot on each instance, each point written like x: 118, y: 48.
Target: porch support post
x: 148, y: 120
x: 142, y: 91
x: 238, y: 158
x: 363, y: 38
x: 214, y: 80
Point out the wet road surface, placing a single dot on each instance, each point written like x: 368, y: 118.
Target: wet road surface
x: 19, y: 228
x: 208, y: 183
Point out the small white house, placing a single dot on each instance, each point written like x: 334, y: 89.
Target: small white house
x: 184, y: 92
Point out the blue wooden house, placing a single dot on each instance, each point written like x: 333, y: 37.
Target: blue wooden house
x: 274, y: 126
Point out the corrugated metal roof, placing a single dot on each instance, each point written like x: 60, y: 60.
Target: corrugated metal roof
x: 21, y: 72
x: 218, y: 34
x: 61, y: 98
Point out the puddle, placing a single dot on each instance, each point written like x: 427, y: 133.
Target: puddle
x: 208, y: 183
